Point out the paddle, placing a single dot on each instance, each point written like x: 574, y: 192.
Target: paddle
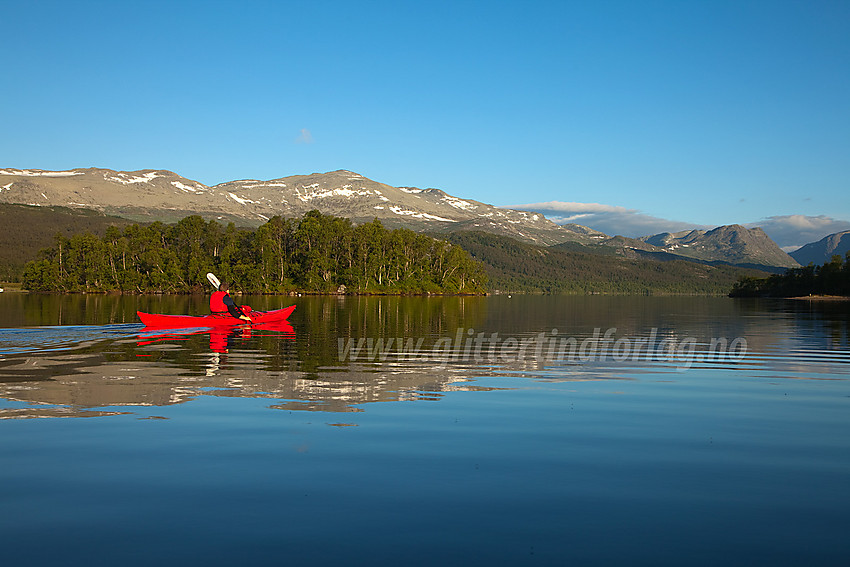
x: 213, y: 280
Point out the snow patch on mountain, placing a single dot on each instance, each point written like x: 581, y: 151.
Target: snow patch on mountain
x: 38, y: 173
x: 260, y: 184
x: 416, y: 215
x: 188, y: 188
x: 459, y: 203
x: 127, y: 179
x: 345, y: 191
x: 240, y: 200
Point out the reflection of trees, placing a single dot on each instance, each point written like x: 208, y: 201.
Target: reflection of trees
x: 161, y: 368
x: 807, y: 324
x: 766, y: 324
x: 33, y: 309
x: 327, y: 320
x: 115, y: 369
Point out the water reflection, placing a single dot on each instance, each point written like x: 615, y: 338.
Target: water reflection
x: 95, y: 370
x: 221, y: 339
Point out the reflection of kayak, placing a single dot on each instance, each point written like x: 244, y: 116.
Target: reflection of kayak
x: 220, y: 336
x: 186, y: 321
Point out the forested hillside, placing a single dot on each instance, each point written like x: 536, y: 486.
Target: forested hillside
x: 515, y: 266
x: 317, y: 253
x: 87, y: 251
x: 27, y: 229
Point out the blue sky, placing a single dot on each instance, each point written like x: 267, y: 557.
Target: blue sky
x: 653, y: 114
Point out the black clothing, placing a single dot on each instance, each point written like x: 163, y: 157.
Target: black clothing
x: 232, y: 308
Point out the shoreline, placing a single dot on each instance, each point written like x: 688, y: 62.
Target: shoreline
x: 820, y: 298
x: 240, y: 293
x: 368, y: 294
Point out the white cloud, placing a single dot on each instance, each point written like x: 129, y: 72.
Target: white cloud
x: 792, y: 231
x: 610, y: 219
x: 304, y: 137
x: 569, y: 207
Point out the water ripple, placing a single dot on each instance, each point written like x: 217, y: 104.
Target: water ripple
x: 59, y: 338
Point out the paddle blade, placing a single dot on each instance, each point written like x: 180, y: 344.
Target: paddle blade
x: 213, y: 280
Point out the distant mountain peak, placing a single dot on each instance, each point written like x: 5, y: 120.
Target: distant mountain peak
x: 731, y: 243
x: 824, y: 249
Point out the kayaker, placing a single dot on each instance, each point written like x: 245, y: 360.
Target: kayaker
x: 221, y: 303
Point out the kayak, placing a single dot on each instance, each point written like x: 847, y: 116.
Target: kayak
x: 187, y: 321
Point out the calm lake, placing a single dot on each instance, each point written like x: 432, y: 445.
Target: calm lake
x: 520, y: 430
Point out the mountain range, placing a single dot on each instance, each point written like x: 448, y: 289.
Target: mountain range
x: 149, y: 195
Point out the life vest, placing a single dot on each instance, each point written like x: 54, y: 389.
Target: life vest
x: 217, y: 302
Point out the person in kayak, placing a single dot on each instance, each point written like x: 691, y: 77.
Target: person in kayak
x: 221, y: 303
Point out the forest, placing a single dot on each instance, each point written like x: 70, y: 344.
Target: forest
x: 514, y: 266
x: 831, y: 278
x: 27, y: 229
x: 320, y: 253
x: 314, y: 254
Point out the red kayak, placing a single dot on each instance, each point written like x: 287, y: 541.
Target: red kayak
x: 187, y: 321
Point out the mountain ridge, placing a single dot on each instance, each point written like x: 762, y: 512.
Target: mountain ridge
x: 732, y: 243
x: 824, y: 249
x: 151, y: 194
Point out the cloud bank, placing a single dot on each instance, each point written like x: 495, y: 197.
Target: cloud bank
x: 610, y: 219
x: 792, y: 231
x: 788, y: 231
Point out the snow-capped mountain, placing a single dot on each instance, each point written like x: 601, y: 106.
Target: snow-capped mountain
x: 163, y: 195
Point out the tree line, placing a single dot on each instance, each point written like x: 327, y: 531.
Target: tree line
x: 316, y: 254
x: 831, y: 278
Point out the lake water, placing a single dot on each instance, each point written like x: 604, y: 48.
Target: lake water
x: 518, y: 430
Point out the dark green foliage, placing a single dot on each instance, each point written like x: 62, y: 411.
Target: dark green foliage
x: 23, y: 233
x: 515, y: 266
x: 832, y: 278
x: 316, y: 254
